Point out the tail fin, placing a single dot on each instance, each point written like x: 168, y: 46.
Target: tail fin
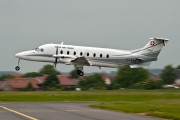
x: 149, y: 52
x: 153, y: 47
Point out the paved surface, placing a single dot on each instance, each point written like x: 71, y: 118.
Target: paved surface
x: 61, y: 111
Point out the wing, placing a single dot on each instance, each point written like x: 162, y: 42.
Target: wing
x: 77, y: 60
x: 81, y: 60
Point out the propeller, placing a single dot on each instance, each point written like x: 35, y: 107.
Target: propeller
x: 56, y: 59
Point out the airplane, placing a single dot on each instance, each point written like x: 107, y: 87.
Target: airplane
x: 81, y: 56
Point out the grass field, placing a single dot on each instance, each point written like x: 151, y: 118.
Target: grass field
x: 159, y: 103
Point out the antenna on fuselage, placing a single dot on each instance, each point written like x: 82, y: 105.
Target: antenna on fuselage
x: 62, y: 43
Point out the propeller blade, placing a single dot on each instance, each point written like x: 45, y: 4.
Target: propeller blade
x: 55, y: 65
x: 55, y: 62
x: 56, y: 58
x: 57, y: 50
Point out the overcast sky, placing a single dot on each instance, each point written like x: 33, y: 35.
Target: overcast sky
x: 119, y: 24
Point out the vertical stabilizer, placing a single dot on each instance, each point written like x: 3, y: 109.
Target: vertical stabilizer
x: 149, y: 52
x: 153, y: 47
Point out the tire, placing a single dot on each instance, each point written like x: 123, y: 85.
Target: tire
x: 17, y: 68
x: 81, y: 73
x: 78, y: 72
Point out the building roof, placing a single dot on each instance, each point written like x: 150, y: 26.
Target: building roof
x: 41, y: 79
x: 16, y: 75
x: 18, y: 83
x: 66, y: 80
x: 1, y: 85
x: 111, y: 77
x: 155, y: 77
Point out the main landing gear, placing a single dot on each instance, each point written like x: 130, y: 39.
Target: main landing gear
x: 80, y: 71
x: 17, y: 68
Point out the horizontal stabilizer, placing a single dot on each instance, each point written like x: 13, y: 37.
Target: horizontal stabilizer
x: 146, y: 64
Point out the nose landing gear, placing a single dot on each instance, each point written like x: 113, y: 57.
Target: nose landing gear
x: 17, y: 68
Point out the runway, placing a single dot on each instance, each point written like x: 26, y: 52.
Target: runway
x: 61, y: 111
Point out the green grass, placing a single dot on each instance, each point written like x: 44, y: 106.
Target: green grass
x: 159, y: 103
x: 169, y: 109
x: 99, y: 96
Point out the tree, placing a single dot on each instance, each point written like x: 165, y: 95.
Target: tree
x: 127, y: 76
x: 32, y: 74
x: 3, y: 77
x: 148, y: 84
x: 51, y: 82
x: 94, y: 82
x: 29, y: 87
x: 74, y: 74
x: 49, y: 70
x: 178, y: 67
x: 168, y: 75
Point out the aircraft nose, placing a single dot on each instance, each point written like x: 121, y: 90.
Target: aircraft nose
x: 18, y: 55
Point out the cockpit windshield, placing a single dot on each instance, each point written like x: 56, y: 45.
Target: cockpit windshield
x: 39, y: 49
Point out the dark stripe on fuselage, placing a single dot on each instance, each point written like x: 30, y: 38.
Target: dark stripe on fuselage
x: 147, y: 54
x: 41, y: 55
x: 122, y: 59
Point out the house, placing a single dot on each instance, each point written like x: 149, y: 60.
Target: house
x: 21, y: 83
x: 155, y: 77
x: 108, y: 79
x: 1, y: 85
x: 177, y: 81
x: 40, y: 80
x: 37, y: 82
x: 67, y: 81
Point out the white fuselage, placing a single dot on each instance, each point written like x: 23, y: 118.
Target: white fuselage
x: 101, y: 57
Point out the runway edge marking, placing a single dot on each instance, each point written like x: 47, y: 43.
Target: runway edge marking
x: 18, y: 113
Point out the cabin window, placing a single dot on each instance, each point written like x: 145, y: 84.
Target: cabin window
x: 100, y: 55
x: 87, y: 54
x: 61, y: 52
x: 94, y: 54
x: 74, y: 53
x: 68, y: 52
x: 107, y: 56
x: 81, y: 53
x: 42, y: 50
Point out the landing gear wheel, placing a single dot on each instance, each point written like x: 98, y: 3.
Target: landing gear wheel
x: 80, y: 73
x: 17, y: 68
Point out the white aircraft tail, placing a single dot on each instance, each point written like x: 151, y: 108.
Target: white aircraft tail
x: 153, y: 47
x: 151, y: 50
